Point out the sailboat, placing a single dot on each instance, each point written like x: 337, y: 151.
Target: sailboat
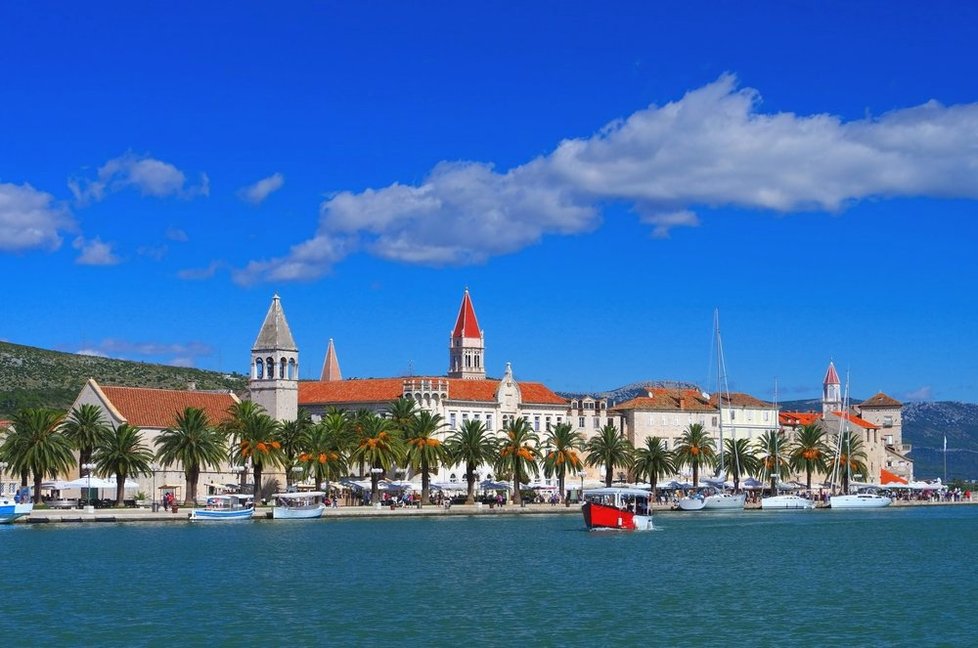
x: 787, y: 501
x: 715, y: 497
x: 866, y: 497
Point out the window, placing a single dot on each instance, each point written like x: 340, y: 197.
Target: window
x: 714, y: 421
x: 259, y: 369
x: 476, y: 416
x: 733, y: 415
x: 536, y: 423
x: 651, y: 419
x: 546, y: 422
x: 465, y: 417
x: 765, y: 415
x: 595, y: 422
x: 580, y: 421
x: 559, y: 419
x: 489, y: 422
x: 451, y: 420
x: 887, y: 421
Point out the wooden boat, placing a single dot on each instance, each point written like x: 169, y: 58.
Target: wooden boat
x: 617, y: 508
x: 225, y: 508
x: 299, y: 506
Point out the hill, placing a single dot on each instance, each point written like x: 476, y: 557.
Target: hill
x: 32, y: 377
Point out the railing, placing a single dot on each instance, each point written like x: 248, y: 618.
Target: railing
x: 425, y: 386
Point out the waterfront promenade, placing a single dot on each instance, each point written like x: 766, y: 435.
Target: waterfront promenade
x: 111, y: 515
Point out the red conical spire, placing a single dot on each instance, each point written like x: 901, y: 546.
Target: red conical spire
x: 831, y: 378
x: 466, y: 325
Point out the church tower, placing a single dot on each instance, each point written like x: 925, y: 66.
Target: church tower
x: 467, y: 346
x: 331, y: 364
x: 831, y: 392
x: 274, y: 382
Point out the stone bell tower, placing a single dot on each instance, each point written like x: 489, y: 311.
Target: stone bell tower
x: 467, y: 346
x: 274, y: 381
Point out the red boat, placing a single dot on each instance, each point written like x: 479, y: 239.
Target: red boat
x: 617, y: 508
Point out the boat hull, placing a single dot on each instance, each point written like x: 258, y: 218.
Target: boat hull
x: 207, y: 515
x: 692, y: 503
x: 600, y: 516
x: 859, y: 501
x: 786, y: 503
x: 298, y: 512
x: 724, y: 502
x: 10, y: 510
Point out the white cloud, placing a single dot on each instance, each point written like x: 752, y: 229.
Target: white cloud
x: 196, y: 274
x: 149, y: 176
x: 176, y: 234
x: 91, y: 352
x: 115, y: 348
x: 30, y: 219
x: 181, y: 362
x: 94, y: 252
x: 924, y: 393
x: 258, y: 192
x: 711, y: 148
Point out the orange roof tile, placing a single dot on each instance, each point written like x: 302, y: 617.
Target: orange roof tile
x: 831, y: 377
x: 466, y: 325
x: 855, y: 420
x: 379, y: 390
x: 798, y: 418
x: 158, y: 408
x: 661, y: 398
x: 740, y: 400
x: 880, y: 400
x: 886, y: 477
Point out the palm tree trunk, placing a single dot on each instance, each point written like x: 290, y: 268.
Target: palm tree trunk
x: 38, y: 476
x: 25, y: 474
x: 257, y: 483
x: 470, y: 478
x: 696, y: 474
x: 609, y: 473
x: 808, y: 469
x: 120, y: 489
x: 374, y: 491
x: 517, y: 498
x: 193, y: 476
x: 425, y: 499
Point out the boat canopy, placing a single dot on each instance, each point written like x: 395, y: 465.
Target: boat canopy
x: 300, y: 495
x: 628, y: 492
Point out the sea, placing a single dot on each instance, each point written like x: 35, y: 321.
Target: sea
x: 890, y: 577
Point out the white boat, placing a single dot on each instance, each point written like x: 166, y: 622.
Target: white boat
x: 713, y: 499
x: 225, y: 507
x: 864, y: 498
x: 298, y: 506
x: 617, y: 508
x: 787, y: 503
x: 12, y: 508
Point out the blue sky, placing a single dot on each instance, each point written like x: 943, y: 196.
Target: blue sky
x: 601, y: 180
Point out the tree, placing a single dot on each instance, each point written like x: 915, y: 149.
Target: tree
x: 694, y: 450
x: 294, y: 437
x: 86, y: 428
x: 123, y: 454
x: 773, y: 450
x: 472, y: 445
x: 194, y: 444
x: 401, y: 413
x: 378, y: 446
x: 809, y: 452
x: 741, y: 461
x: 850, y: 459
x: 326, y: 453
x: 233, y: 424
x: 563, y: 444
x: 258, y: 441
x: 36, y: 445
x: 610, y: 449
x: 425, y: 450
x: 517, y: 454
x: 653, y: 461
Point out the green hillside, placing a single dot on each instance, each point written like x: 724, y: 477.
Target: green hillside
x: 32, y: 377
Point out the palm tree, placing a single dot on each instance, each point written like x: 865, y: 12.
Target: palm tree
x: 233, y: 424
x: 565, y: 455
x: 258, y: 441
x: 741, y: 461
x: 326, y: 453
x: 294, y: 436
x: 851, y: 458
x: 378, y: 446
x: 86, y: 427
x: 401, y: 413
x: 425, y: 450
x: 517, y: 454
x: 653, y: 461
x: 123, y: 454
x: 472, y: 445
x: 695, y: 449
x: 36, y: 445
x: 774, y: 457
x: 193, y: 443
x: 610, y: 449
x: 809, y: 452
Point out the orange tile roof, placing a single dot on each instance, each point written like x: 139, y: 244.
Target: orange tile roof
x: 798, y: 418
x: 661, y: 398
x: 886, y: 477
x: 466, y: 325
x: 740, y: 400
x: 831, y: 377
x: 158, y: 408
x: 380, y: 390
x: 857, y: 421
x: 880, y: 400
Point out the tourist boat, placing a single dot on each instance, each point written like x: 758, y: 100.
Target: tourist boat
x: 298, y: 506
x: 12, y: 508
x: 786, y: 503
x: 713, y: 499
x: 617, y: 508
x: 225, y: 507
x: 864, y: 498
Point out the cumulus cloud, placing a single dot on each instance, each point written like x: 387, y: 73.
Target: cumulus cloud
x: 30, y: 219
x: 147, y: 175
x: 258, y: 192
x: 116, y: 348
x: 94, y: 252
x: 924, y: 393
x: 711, y: 148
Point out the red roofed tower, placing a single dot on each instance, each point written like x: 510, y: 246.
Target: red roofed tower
x: 467, y: 347
x: 831, y: 391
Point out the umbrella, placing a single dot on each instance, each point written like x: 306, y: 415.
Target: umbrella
x: 90, y: 482
x: 130, y: 483
x: 56, y: 485
x: 487, y: 484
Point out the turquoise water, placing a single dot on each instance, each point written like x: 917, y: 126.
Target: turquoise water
x: 890, y: 577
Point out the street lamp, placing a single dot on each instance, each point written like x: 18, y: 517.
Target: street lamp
x: 154, y: 468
